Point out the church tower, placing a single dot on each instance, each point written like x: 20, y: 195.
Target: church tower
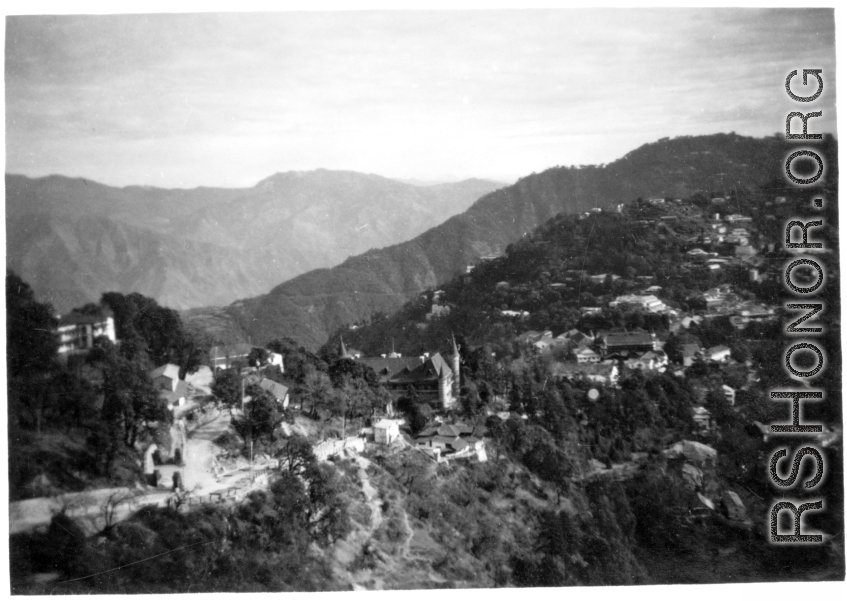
x: 342, y: 352
x: 456, y: 375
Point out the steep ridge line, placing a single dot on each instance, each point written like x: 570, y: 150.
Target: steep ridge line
x: 311, y: 306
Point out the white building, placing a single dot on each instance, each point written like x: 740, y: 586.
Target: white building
x: 386, y: 431
x: 77, y: 331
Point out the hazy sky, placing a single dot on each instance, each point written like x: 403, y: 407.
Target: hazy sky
x: 228, y: 99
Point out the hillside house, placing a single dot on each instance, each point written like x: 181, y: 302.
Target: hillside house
x: 647, y: 302
x: 584, y: 354
x: 172, y: 390
x: 223, y: 356
x: 165, y: 377
x: 651, y: 360
x: 702, y: 419
x: 76, y: 332
x: 604, y: 374
x: 601, y: 278
x: 437, y: 311
x: 694, y: 452
x: 729, y: 394
x: 279, y: 391
x: 577, y: 338
x: 690, y: 353
x: 734, y: 506
x: 511, y: 313
x: 276, y: 359
x: 452, y: 440
x: 628, y: 342
x: 737, y: 218
x: 386, y: 431
x: 718, y: 354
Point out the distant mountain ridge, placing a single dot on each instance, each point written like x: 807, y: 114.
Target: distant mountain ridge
x: 73, y: 238
x: 310, y: 306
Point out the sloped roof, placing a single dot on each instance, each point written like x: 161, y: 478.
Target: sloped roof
x: 230, y: 351
x: 76, y: 319
x: 275, y: 388
x: 168, y: 370
x: 173, y: 396
x: 386, y: 368
x: 733, y: 498
x: 689, y: 350
x: 628, y: 338
x: 440, y: 364
x: 454, y: 429
x: 408, y: 370
x: 584, y: 350
x: 693, y: 451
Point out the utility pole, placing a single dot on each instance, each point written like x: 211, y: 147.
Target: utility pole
x: 244, y: 416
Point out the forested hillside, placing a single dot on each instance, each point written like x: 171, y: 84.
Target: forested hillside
x: 314, y: 304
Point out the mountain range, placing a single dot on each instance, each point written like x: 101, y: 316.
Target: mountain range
x: 73, y: 239
x: 311, y: 306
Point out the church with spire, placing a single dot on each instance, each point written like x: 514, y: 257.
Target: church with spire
x: 434, y: 377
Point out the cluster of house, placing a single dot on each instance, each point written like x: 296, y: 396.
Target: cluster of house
x: 439, y: 308
x: 452, y: 441
x: 649, y: 303
x: 596, y: 358
x: 697, y: 469
x: 724, y: 301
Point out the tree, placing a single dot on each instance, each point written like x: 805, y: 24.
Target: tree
x: 297, y: 454
x: 296, y: 358
x: 262, y: 416
x: 348, y: 368
x: 131, y: 401
x: 30, y: 340
x: 257, y: 357
x: 359, y: 399
x: 227, y: 388
x: 30, y: 352
x: 673, y: 349
x: 326, y: 510
x: 381, y: 400
x: 155, y: 329
x: 315, y: 388
x: 471, y: 401
x: 412, y: 469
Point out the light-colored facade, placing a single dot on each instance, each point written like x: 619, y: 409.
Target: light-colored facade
x: 77, y: 332
x: 386, y: 431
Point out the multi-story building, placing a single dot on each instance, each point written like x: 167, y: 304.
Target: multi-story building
x: 77, y: 331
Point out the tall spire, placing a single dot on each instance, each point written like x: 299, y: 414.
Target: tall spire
x: 343, y: 350
x: 455, y: 348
